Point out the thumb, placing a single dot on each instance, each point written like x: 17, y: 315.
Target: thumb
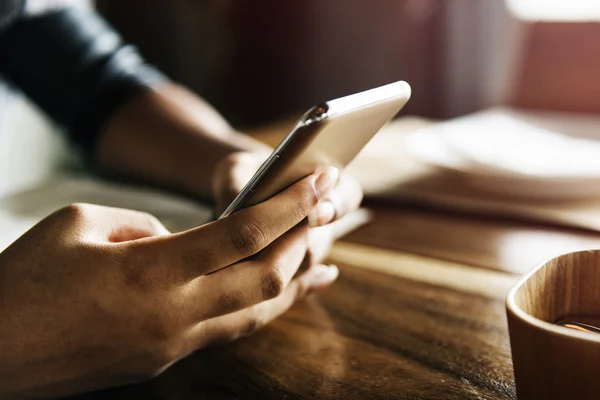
x: 205, y: 249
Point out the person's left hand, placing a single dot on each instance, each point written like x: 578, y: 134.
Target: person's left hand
x: 235, y: 170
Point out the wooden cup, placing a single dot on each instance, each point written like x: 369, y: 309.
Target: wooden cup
x: 551, y: 361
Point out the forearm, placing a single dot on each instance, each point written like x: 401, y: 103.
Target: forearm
x: 170, y: 137
x: 123, y: 113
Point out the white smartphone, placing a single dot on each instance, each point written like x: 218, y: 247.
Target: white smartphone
x: 331, y: 133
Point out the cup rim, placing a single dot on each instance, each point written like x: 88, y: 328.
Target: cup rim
x: 513, y: 308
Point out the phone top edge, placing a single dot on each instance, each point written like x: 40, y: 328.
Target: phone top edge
x: 400, y: 90
x: 315, y: 114
x: 320, y: 112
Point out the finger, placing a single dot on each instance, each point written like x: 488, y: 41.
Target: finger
x: 250, y: 230
x: 242, y: 323
x: 109, y: 224
x: 320, y: 239
x: 345, y: 197
x: 233, y: 174
x: 245, y: 284
x: 221, y: 243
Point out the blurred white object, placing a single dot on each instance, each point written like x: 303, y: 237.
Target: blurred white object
x: 32, y: 149
x: 36, y: 7
x: 555, y: 10
x: 535, y: 155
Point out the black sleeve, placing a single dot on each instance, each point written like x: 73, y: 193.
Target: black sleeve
x: 76, y: 68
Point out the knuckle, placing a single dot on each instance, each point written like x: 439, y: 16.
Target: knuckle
x: 248, y: 237
x: 273, y: 284
x: 300, y: 210
x: 75, y: 211
x: 253, y: 321
x: 306, y: 197
x: 231, y: 301
x: 250, y: 326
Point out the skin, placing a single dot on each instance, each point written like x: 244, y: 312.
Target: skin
x: 236, y: 169
x: 171, y: 138
x: 93, y: 296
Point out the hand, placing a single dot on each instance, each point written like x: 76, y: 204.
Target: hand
x: 94, y: 296
x: 236, y: 169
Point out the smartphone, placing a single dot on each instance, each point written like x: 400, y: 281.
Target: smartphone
x: 331, y: 133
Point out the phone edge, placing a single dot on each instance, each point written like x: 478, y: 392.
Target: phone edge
x: 314, y: 115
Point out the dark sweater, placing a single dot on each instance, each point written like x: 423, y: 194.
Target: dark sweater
x: 73, y: 65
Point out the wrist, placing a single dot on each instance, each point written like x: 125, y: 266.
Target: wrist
x: 171, y: 138
x: 198, y: 174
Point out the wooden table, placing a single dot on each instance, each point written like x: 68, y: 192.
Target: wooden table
x: 417, y: 313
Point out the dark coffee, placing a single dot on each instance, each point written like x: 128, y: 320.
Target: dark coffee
x: 581, y: 323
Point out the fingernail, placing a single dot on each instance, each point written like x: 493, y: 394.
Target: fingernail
x: 322, y: 214
x: 323, y: 276
x: 327, y: 180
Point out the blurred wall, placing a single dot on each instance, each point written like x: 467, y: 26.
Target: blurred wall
x: 561, y: 67
x: 262, y: 60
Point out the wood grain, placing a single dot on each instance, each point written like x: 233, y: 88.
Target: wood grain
x: 553, y: 362
x: 487, y: 242
x: 371, y: 336
x: 423, y: 269
x: 395, y: 325
x: 417, y: 313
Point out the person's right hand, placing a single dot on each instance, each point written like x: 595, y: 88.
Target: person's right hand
x: 95, y: 296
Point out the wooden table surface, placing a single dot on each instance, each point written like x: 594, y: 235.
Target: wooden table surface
x: 417, y: 313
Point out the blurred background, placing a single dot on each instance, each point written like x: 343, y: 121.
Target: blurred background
x: 504, y: 118
x: 266, y: 60
x: 525, y: 73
